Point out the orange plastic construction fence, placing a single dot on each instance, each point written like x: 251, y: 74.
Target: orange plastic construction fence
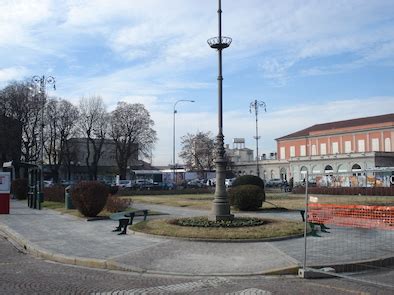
x: 379, y: 217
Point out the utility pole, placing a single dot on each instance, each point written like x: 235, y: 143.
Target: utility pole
x: 254, y: 107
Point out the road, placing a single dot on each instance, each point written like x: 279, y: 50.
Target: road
x: 21, y: 273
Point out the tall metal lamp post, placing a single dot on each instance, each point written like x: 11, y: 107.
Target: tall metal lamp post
x: 254, y: 107
x: 42, y: 82
x: 221, y: 205
x: 173, y: 137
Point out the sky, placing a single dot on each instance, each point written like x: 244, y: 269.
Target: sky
x: 310, y: 61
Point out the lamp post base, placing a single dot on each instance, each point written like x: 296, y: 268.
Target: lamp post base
x: 221, y: 204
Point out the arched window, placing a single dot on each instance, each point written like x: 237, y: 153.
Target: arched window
x: 342, y: 168
x: 303, y: 172
x: 328, y: 169
x: 356, y: 167
x: 315, y: 169
x: 283, y: 174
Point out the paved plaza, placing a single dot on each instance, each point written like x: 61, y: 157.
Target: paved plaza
x: 68, y: 239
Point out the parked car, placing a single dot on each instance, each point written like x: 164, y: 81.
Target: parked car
x: 195, y: 183
x: 48, y: 183
x: 125, y: 183
x: 144, y: 183
x: 211, y: 182
x: 274, y: 182
x: 229, y: 182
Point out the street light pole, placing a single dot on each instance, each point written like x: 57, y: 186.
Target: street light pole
x: 173, y: 137
x: 42, y: 82
x: 221, y: 205
x: 254, y: 106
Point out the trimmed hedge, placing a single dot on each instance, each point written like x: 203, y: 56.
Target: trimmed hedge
x: 248, y: 179
x: 116, y: 204
x: 20, y: 188
x: 54, y: 193
x: 89, y: 197
x: 368, y: 191
x: 247, y: 197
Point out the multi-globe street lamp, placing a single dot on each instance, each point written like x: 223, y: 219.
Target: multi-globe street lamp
x: 254, y: 107
x: 173, y: 137
x: 42, y: 82
x: 221, y: 204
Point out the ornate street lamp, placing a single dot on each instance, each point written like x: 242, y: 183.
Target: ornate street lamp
x: 173, y: 137
x: 254, y: 106
x: 42, y: 83
x: 221, y: 205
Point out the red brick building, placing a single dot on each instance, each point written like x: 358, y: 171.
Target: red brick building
x: 370, y: 134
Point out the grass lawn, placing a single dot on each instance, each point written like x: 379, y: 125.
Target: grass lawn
x: 284, y: 200
x: 271, y: 229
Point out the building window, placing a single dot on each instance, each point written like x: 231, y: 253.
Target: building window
x: 356, y: 169
x: 292, y: 151
x: 342, y: 168
x: 375, y: 144
x: 302, y: 151
x: 323, y: 149
x: 335, y: 149
x: 314, y: 153
x: 282, y: 153
x: 303, y: 172
x: 315, y: 170
x: 361, y: 145
x: 387, y: 145
x: 348, y: 147
x: 328, y: 169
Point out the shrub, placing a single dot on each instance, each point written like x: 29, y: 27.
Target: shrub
x: 54, y: 193
x: 247, y: 197
x: 20, y: 188
x: 248, y: 179
x: 89, y: 197
x: 116, y: 204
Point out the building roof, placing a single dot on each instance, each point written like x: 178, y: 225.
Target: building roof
x: 341, y: 124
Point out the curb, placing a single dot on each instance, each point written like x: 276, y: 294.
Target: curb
x: 39, y: 252
x: 137, y: 233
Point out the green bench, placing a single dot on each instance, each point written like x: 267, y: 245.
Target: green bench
x: 313, y: 225
x: 126, y: 218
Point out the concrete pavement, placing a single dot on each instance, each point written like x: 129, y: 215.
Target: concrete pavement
x: 73, y: 240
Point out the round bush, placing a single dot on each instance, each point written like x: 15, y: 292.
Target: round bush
x: 248, y: 179
x: 20, y: 188
x: 117, y: 204
x: 89, y: 197
x: 54, y: 193
x: 247, y: 197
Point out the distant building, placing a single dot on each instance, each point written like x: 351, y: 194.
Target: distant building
x: 346, y: 147
x: 75, y: 167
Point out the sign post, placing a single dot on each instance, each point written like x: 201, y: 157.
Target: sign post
x: 5, y: 184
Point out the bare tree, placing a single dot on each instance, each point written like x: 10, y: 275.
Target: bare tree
x: 22, y: 101
x: 198, y: 151
x: 60, y: 118
x: 131, y: 129
x: 93, y: 126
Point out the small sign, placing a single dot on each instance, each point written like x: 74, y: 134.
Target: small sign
x: 313, y: 199
x: 5, y: 182
x: 392, y: 179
